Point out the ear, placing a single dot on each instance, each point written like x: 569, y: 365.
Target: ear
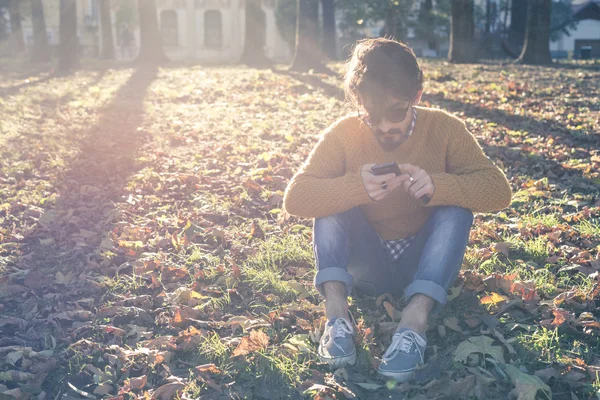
x: 418, y: 97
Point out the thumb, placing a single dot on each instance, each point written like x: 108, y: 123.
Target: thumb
x: 408, y: 168
x: 367, y: 167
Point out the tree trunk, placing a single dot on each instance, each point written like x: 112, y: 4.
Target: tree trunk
x: 68, y: 51
x: 41, y: 50
x: 488, y: 16
x: 151, y: 49
x: 308, y: 54
x: 108, y: 43
x: 537, y: 36
x: 329, y: 31
x: 461, y: 32
x: 18, y: 44
x: 390, y: 24
x: 518, y: 23
x: 426, y: 16
x: 255, y: 37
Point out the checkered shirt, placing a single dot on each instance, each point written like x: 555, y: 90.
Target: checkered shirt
x: 396, y: 248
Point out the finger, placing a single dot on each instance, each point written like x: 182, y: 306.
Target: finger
x: 378, y: 195
x: 422, y: 192
x: 398, y: 181
x: 409, y: 169
x: 367, y: 167
x: 417, y: 186
x: 420, y: 174
x: 402, y: 178
x: 374, y: 187
x: 383, y: 178
x: 407, y: 184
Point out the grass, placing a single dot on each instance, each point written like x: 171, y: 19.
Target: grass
x: 263, y: 270
x: 589, y: 228
x: 546, y: 220
x: 214, y: 350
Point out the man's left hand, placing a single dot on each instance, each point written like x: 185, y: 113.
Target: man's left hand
x: 421, y: 183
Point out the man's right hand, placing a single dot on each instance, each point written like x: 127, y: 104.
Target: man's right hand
x: 372, y: 183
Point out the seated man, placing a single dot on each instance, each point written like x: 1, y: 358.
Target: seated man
x: 399, y: 234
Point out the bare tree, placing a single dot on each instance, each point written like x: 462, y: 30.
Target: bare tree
x: 68, y: 52
x: 255, y: 38
x: 14, y: 10
x: 329, y: 31
x: 461, y: 32
x: 40, y: 51
x: 537, y: 35
x: 108, y: 43
x: 308, y: 53
x: 151, y: 49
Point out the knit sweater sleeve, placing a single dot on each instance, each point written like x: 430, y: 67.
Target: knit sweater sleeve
x: 471, y: 180
x: 323, y: 186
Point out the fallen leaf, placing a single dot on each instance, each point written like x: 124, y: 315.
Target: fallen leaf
x: 493, y: 298
x: 169, y: 391
x: 503, y: 247
x: 394, y: 314
x: 138, y: 382
x: 527, y: 386
x: 257, y: 340
x: 478, y: 344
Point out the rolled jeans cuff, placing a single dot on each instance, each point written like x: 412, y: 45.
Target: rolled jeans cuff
x: 428, y: 288
x: 333, y: 274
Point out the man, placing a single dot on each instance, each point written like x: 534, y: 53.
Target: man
x: 400, y: 234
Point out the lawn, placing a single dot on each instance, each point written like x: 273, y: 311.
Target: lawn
x: 144, y: 250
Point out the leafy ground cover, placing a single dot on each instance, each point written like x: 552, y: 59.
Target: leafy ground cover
x: 144, y: 252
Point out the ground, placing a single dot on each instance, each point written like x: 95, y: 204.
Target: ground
x: 144, y: 250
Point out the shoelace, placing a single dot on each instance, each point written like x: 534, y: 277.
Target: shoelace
x: 403, y: 342
x: 340, y: 328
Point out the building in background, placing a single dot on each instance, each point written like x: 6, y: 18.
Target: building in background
x: 203, y: 30
x: 586, y: 34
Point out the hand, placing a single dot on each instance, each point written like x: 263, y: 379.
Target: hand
x: 373, y: 183
x: 421, y: 184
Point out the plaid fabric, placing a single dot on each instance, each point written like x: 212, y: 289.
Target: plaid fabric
x: 396, y: 248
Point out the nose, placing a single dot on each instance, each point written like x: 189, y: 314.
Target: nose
x: 384, y: 125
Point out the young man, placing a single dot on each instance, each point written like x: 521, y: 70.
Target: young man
x: 400, y: 234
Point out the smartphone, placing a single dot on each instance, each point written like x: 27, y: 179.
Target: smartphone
x: 387, y: 168
x: 393, y: 168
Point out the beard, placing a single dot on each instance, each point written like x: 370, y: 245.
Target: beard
x: 392, y: 140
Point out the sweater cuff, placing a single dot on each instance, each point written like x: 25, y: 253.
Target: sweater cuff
x: 441, y: 193
x: 356, y: 194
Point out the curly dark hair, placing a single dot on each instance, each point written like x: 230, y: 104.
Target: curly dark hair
x: 380, y: 68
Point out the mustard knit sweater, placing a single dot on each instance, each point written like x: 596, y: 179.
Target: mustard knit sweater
x: 330, y: 182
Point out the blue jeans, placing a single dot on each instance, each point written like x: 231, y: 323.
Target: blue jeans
x: 347, y: 249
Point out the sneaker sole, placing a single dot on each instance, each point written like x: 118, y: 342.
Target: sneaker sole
x: 400, y: 376
x: 338, y: 362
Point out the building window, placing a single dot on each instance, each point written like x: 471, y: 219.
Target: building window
x: 213, y: 29
x: 169, y: 28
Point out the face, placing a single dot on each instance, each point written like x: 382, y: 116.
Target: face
x: 389, y: 133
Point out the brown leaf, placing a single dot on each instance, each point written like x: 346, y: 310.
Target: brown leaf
x: 560, y: 316
x: 189, y: 339
x: 452, y: 323
x: 394, y: 314
x: 493, y: 298
x: 209, y: 368
x: 503, y: 247
x: 257, y: 340
x: 138, y: 382
x: 169, y: 391
x: 177, y: 320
